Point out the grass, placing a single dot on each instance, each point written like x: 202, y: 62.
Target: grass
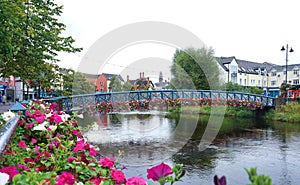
x: 286, y: 113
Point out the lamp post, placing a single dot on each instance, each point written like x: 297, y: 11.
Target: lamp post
x: 286, y: 59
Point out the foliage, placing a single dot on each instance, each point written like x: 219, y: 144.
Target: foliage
x: 194, y: 69
x: 81, y: 85
x: 258, y: 179
x: 48, y: 148
x: 115, y: 84
x: 31, y: 36
x: 286, y: 113
x: 230, y: 86
x: 127, y: 87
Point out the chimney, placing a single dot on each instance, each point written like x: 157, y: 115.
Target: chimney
x: 140, y: 75
x: 143, y: 75
x: 128, y: 79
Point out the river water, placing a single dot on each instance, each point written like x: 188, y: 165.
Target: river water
x: 141, y: 140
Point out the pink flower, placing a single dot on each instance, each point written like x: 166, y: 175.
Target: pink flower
x: 159, y: 171
x: 107, y: 162
x: 79, y: 146
x: 10, y: 170
x: 40, y: 118
x: 96, y: 180
x: 33, y: 140
x: 65, y: 178
x: 22, y: 144
x: 71, y: 159
x: 36, y: 148
x: 118, y: 176
x: 57, y: 118
x: 29, y: 115
x: 93, y: 152
x: 136, y: 181
x: 23, y: 167
x: 29, y: 126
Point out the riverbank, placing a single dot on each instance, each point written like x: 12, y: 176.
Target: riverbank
x: 285, y: 113
x: 227, y: 111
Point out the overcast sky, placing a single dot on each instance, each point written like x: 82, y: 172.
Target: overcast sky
x: 250, y: 30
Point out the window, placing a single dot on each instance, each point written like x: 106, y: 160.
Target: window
x: 273, y: 83
x: 296, y: 71
x: 296, y: 81
x: 245, y: 82
x: 265, y: 83
x: 252, y: 81
x: 241, y: 81
x: 101, y: 90
x: 102, y: 84
x: 258, y: 82
x: 273, y: 73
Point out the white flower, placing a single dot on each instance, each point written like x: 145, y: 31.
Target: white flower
x: 65, y: 117
x: 41, y: 126
x: 3, y: 178
x: 52, y: 127
x: 43, y: 106
x: 8, y: 115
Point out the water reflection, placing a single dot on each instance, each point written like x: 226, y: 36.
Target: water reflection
x: 241, y: 143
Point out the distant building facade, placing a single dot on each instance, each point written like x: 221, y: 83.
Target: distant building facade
x: 266, y: 76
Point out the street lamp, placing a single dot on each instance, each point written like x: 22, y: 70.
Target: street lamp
x: 286, y: 60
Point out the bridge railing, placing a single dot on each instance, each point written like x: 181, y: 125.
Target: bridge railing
x: 79, y: 102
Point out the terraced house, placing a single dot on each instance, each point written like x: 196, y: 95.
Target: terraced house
x: 266, y: 76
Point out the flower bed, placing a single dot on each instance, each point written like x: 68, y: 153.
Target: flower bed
x: 159, y: 104
x: 48, y: 148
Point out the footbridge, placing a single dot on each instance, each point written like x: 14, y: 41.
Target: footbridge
x: 77, y: 102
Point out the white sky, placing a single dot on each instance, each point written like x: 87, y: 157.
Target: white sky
x: 250, y: 30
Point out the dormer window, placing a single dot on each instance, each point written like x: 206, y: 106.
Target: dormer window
x: 273, y: 73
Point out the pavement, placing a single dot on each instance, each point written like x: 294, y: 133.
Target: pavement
x: 5, y: 107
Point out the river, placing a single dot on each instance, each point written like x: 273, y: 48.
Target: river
x: 141, y: 140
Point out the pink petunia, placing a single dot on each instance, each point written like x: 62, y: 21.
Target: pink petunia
x: 79, y: 146
x: 118, y: 176
x: 10, y: 170
x: 23, y: 167
x: 93, y: 152
x: 57, y: 118
x: 96, y: 180
x: 159, y: 171
x: 28, y: 115
x: 107, y: 162
x: 40, y: 118
x: 33, y: 140
x: 29, y: 126
x: 36, y: 148
x: 71, y: 159
x: 22, y: 144
x: 136, y: 181
x: 65, y: 178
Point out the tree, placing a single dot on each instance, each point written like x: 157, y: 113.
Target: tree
x: 194, y: 68
x: 81, y: 85
x: 127, y: 86
x: 30, y: 37
x: 115, y: 84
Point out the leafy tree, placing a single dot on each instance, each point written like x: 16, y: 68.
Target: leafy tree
x: 195, y: 68
x: 30, y: 36
x: 239, y: 88
x: 115, y: 84
x: 127, y: 86
x: 230, y: 86
x: 81, y: 85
